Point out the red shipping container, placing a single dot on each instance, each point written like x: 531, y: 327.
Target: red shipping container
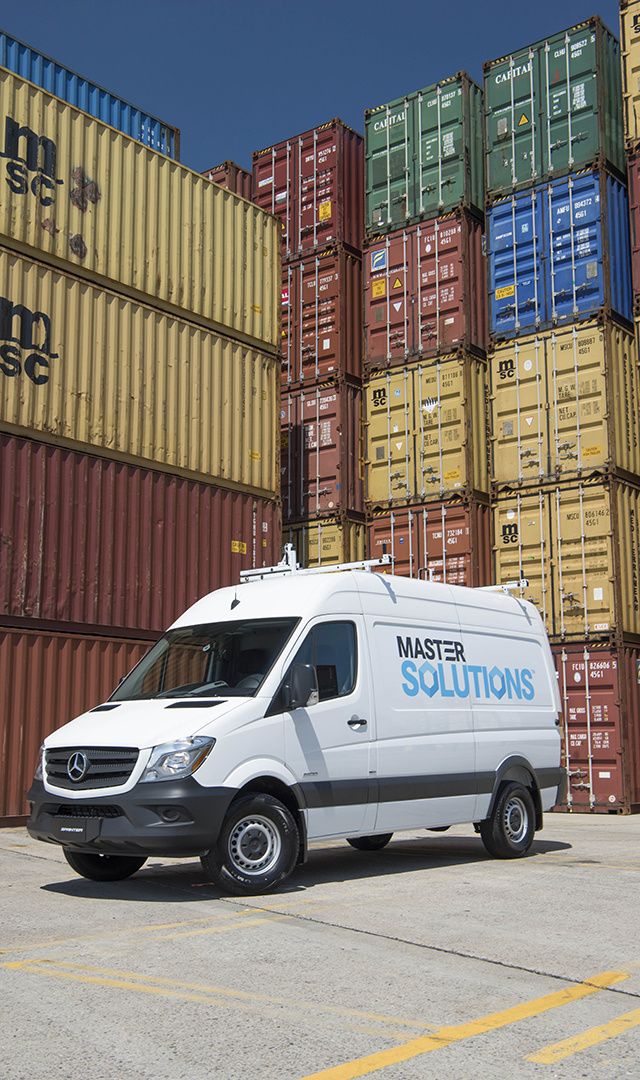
x: 633, y: 164
x: 440, y: 541
x: 321, y: 318
x: 600, y: 693
x: 232, y: 176
x: 315, y: 183
x: 46, y: 680
x: 425, y: 291
x: 87, y: 541
x: 322, y: 451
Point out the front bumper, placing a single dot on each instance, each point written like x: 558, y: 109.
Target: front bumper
x: 173, y: 818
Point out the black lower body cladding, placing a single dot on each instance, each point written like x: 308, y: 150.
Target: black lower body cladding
x: 173, y: 819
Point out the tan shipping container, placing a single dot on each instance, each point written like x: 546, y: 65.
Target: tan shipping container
x: 630, y: 51
x: 578, y: 547
x: 83, y: 365
x: 327, y: 541
x: 88, y: 198
x: 427, y: 431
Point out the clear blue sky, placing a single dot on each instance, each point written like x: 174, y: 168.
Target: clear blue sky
x: 237, y: 77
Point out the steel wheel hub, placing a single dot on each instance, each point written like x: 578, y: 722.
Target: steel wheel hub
x: 254, y: 845
x: 516, y: 820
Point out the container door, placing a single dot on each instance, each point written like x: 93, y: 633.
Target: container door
x: 520, y: 425
x: 576, y: 267
x: 389, y: 196
x: 511, y: 89
x: 388, y: 300
x: 440, y: 141
x: 328, y: 745
x: 390, y: 438
x: 569, y: 101
x: 522, y: 547
x: 517, y: 277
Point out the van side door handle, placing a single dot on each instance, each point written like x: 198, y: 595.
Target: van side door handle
x: 356, y: 723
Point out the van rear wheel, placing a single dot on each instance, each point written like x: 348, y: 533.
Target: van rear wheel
x: 103, y: 867
x: 508, y: 832
x: 370, y: 843
x: 257, y: 848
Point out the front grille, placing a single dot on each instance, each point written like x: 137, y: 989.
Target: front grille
x: 79, y: 811
x: 106, y: 766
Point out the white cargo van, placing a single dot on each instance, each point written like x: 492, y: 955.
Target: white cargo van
x: 304, y: 705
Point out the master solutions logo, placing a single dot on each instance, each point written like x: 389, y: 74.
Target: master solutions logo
x: 450, y: 676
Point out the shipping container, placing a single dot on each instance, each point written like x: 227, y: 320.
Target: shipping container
x: 565, y: 404
x: 630, y: 48
x: 314, y: 183
x: 231, y: 176
x: 56, y: 79
x: 425, y: 291
x: 96, y: 543
x: 427, y: 431
x: 577, y: 547
x: 447, y: 541
x: 424, y: 155
x: 83, y: 365
x: 553, y: 108
x: 321, y: 318
x: 634, y: 216
x: 327, y: 541
x: 322, y: 450
x: 600, y: 693
x: 558, y: 253
x: 88, y: 199
x: 45, y: 680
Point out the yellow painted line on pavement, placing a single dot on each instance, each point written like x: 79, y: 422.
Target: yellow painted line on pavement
x: 448, y: 1035
x: 588, y: 1038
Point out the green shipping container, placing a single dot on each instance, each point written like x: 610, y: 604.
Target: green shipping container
x: 424, y: 155
x: 554, y: 108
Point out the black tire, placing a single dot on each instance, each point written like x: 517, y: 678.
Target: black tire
x: 370, y: 843
x: 257, y: 848
x: 103, y: 867
x: 508, y: 832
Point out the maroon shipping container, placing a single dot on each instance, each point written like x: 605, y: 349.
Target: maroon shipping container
x: 321, y: 318
x: 322, y: 451
x: 232, y: 176
x: 315, y: 184
x: 600, y: 693
x: 634, y: 220
x: 425, y: 291
x: 46, y: 680
x: 440, y: 541
x: 93, y: 542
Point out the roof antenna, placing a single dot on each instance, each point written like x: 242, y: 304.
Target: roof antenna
x: 235, y: 601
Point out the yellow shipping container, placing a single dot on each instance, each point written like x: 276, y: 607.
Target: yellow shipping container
x: 326, y: 541
x: 427, y: 431
x: 92, y: 200
x: 578, y: 546
x: 630, y: 49
x: 565, y: 404
x: 81, y: 365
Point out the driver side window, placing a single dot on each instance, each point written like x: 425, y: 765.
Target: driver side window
x: 331, y: 648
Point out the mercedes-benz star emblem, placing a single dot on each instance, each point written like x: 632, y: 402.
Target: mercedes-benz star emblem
x: 77, y: 766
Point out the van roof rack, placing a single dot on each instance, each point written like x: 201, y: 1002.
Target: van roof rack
x: 505, y: 586
x: 289, y: 565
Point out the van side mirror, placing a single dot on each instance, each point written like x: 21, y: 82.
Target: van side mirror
x: 303, y: 686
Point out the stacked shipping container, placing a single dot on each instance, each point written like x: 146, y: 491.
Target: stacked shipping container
x: 565, y: 397
x: 139, y: 344
x: 314, y: 184
x: 427, y: 477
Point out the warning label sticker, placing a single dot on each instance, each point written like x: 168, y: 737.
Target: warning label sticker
x: 398, y: 283
x: 397, y: 305
x: 379, y: 288
x: 239, y: 547
x: 591, y: 451
x: 509, y: 290
x: 324, y: 211
x: 524, y: 119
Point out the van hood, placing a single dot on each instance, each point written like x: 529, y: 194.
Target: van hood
x: 142, y: 724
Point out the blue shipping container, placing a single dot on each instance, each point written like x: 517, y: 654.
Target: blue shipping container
x: 559, y: 252
x: 58, y: 80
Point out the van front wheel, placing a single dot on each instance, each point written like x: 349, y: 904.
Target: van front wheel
x: 257, y: 848
x: 508, y: 832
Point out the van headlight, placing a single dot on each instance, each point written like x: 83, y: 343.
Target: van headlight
x: 175, y: 760
x: 39, y: 773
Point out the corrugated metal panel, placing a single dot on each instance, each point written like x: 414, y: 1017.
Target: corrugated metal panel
x: 554, y: 107
x: 425, y: 291
x: 439, y: 541
x: 578, y: 546
x: 634, y: 217
x: 314, y: 183
x: 427, y: 431
x: 89, y: 541
x: 321, y: 317
x: 630, y: 48
x: 46, y: 680
x: 56, y: 79
x: 322, y: 451
x: 424, y: 154
x: 100, y: 203
x: 88, y: 366
x: 558, y: 400
x: 327, y: 541
x: 231, y: 176
x: 558, y: 253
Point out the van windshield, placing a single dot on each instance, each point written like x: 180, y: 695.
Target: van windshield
x: 229, y: 659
